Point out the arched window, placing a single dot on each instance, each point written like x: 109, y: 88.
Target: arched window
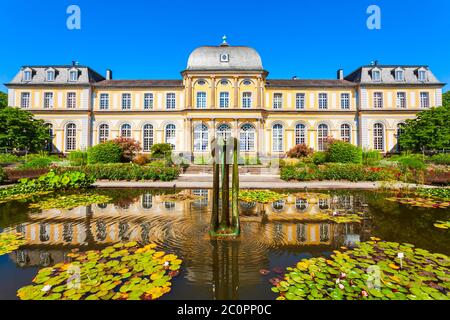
x: 147, y: 137
x: 170, y: 134
x: 224, y: 131
x: 346, y: 133
x: 49, y: 143
x: 103, y: 133
x: 201, y: 138
x: 322, y: 135
x: 247, y: 138
x: 277, y: 138
x: 378, y: 136
x: 400, y: 130
x: 147, y: 201
x: 300, y: 134
x: 125, y: 131
x: 301, y: 204
x: 71, y: 137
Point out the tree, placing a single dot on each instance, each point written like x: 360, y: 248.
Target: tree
x: 446, y: 99
x: 21, y: 131
x: 3, y: 100
x: 430, y: 131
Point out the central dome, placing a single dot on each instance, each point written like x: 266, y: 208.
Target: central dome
x: 224, y: 57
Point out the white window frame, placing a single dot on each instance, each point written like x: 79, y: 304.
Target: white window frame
x: 47, y: 76
x: 422, y: 75
x: 224, y: 100
x: 345, y: 101
x: 103, y: 133
x: 104, y: 101
x: 300, y: 134
x: 247, y: 135
x: 401, y: 100
x: 201, y: 136
x: 346, y: 132
x: 27, y: 75
x: 378, y: 100
x: 277, y: 101
x: 378, y: 136
x: 25, y: 100
x: 201, y: 100
x: 148, y: 135
x: 323, y: 101
x: 170, y: 135
x: 424, y: 99
x: 378, y: 77
x: 75, y: 78
x: 300, y: 101
x: 171, y: 101
x: 71, y: 100
x: 399, y: 75
x: 49, y: 101
x: 148, y: 101
x: 224, y: 131
x: 126, y: 101
x: 277, y: 137
x: 247, y: 100
x: 126, y: 131
x: 71, y: 137
x: 323, y: 131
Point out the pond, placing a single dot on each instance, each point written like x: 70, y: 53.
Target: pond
x: 274, y: 236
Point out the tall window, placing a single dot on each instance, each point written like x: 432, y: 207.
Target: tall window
x: 71, y: 137
x: 346, y: 133
x: 224, y: 100
x: 424, y: 100
x: 277, y: 138
x: 422, y: 75
x: 104, y: 101
x: 300, y: 134
x: 376, y: 75
x: 247, y: 138
x: 378, y: 136
x: 27, y: 76
x: 401, y: 100
x: 323, y: 101
x: 224, y: 131
x: 103, y: 133
x: 147, y: 136
x: 201, y: 100
x: 399, y: 75
x: 170, y: 101
x: 25, y: 99
x: 73, y: 76
x: 170, y: 135
x: 246, y: 100
x: 322, y: 135
x: 148, y: 101
x: 201, y: 138
x: 49, y: 144
x: 378, y: 100
x: 50, y: 75
x: 300, y: 101
x: 126, y: 101
x: 71, y: 100
x: 48, y: 100
x: 125, y: 131
x: 345, y: 101
x: 277, y: 101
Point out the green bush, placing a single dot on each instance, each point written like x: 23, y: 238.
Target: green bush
x: 409, y: 162
x: 78, y: 158
x: 127, y: 171
x: 300, y: 151
x: 161, y: 150
x: 371, y: 157
x: 343, y: 152
x: 108, y: 152
x: 441, y: 158
x: 319, y: 157
x: 37, y: 163
x: 3, y: 175
x: 6, y: 158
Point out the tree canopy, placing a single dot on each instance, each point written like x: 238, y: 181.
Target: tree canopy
x: 3, y: 100
x: 430, y: 131
x: 19, y: 130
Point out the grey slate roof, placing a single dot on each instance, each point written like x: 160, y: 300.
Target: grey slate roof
x: 363, y: 75
x: 139, y: 83
x: 86, y: 75
x: 300, y: 83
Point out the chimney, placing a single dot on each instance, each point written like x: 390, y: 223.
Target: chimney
x: 109, y: 75
x: 340, y: 74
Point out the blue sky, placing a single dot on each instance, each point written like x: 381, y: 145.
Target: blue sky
x: 152, y: 39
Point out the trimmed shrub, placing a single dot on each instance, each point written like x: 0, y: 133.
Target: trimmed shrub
x: 141, y: 159
x: 441, y: 158
x: 300, y: 151
x: 78, y: 158
x: 130, y: 148
x: 319, y: 157
x: 344, y: 152
x: 127, y: 171
x: 108, y: 152
x: 161, y: 150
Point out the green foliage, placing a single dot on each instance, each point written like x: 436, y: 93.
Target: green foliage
x: 108, y: 152
x: 441, y: 158
x: 37, y: 163
x: 70, y: 201
x: 371, y: 157
x: 429, y: 131
x: 130, y: 148
x: 319, y: 157
x: 6, y: 158
x: 409, y: 162
x: 249, y: 160
x: 446, y: 99
x: 435, y: 193
x: 300, y: 151
x: 141, y: 159
x: 20, y: 131
x: 3, y: 100
x: 78, y: 158
x: 260, y: 196
x: 161, y: 150
x: 125, y: 171
x: 3, y: 175
x: 343, y: 152
x: 202, y: 160
x: 10, y: 242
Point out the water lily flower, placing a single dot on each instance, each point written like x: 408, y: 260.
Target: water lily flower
x: 338, y: 281
x: 341, y: 286
x: 343, y: 275
x: 46, y: 288
x: 364, y: 293
x: 166, y: 264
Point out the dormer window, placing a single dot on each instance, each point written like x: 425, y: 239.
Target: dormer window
x: 27, y: 75
x: 73, y: 75
x: 376, y: 75
x: 51, y: 75
x: 399, y: 75
x: 422, y: 75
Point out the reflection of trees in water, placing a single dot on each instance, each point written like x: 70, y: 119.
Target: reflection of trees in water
x: 101, y: 230
x: 44, y: 232
x: 68, y: 231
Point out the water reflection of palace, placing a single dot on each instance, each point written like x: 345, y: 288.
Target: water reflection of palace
x: 150, y: 218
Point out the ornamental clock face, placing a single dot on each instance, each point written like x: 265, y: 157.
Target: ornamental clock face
x: 224, y: 57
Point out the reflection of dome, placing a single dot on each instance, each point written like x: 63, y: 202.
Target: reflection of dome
x: 224, y: 57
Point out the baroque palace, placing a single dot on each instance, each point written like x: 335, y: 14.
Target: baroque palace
x: 225, y: 91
